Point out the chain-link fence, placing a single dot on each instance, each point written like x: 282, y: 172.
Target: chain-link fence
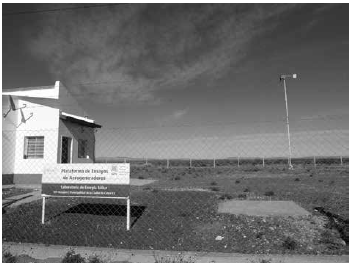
x: 181, y: 177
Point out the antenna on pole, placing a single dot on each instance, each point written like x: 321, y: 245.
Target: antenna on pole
x: 13, y: 106
x: 283, y: 77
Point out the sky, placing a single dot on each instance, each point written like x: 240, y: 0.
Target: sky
x: 161, y: 65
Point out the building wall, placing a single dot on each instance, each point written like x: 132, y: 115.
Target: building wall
x: 44, y: 122
x: 9, y: 125
x: 76, y: 132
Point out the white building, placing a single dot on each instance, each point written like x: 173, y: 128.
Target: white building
x: 43, y: 125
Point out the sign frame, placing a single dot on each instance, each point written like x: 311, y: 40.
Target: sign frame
x: 127, y: 198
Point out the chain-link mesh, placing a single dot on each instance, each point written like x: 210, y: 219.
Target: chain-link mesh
x: 180, y: 177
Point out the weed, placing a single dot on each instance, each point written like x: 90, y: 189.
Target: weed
x: 320, y: 180
x: 72, y: 257
x: 154, y: 191
x: 269, y: 193
x: 246, y: 190
x: 141, y: 177
x: 214, y: 188
x: 290, y: 243
x: 332, y: 182
x: 311, y: 175
x: 237, y: 181
x: 177, y: 178
x: 297, y: 180
x: 213, y: 183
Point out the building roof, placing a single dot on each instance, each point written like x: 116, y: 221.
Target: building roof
x: 28, y: 88
x: 79, y: 120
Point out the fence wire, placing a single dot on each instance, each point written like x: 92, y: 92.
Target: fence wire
x: 180, y: 179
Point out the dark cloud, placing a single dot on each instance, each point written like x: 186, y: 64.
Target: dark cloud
x: 131, y: 51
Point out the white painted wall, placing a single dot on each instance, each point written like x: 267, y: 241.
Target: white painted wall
x: 8, y: 137
x: 44, y: 122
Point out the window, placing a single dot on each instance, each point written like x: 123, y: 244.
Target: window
x: 82, y: 148
x: 33, y: 147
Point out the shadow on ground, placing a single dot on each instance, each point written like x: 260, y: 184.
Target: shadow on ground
x: 105, y: 210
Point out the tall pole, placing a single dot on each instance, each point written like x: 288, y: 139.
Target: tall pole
x: 287, y: 124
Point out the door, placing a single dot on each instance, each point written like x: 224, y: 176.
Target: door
x: 66, y: 149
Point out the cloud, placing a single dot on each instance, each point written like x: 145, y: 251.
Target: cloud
x: 171, y: 118
x: 130, y: 52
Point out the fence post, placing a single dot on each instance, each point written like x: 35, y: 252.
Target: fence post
x: 341, y: 160
x: 190, y: 162
x: 314, y: 161
x: 238, y: 162
x: 214, y: 162
x: 167, y: 163
x: 125, y: 160
x: 146, y: 161
x: 263, y: 161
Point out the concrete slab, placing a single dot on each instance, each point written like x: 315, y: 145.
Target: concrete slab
x: 141, y: 182
x: 262, y: 208
x: 54, y: 254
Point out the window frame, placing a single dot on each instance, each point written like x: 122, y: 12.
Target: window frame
x: 36, y: 155
x: 83, y: 147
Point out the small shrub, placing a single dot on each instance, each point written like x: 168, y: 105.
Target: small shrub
x: 297, y: 180
x: 242, y: 196
x: 311, y: 175
x: 246, y: 190
x: 95, y: 259
x: 226, y: 197
x: 9, y: 258
x: 177, y: 178
x: 174, y: 259
x: 72, y: 257
x: 320, y: 180
x: 332, y: 182
x: 269, y: 193
x: 259, y: 235
x: 214, y: 188
x: 184, y: 214
x: 213, y: 183
x: 290, y: 244
x: 154, y: 191
x: 237, y: 181
x: 141, y: 177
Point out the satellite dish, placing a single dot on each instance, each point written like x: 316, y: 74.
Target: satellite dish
x: 13, y: 106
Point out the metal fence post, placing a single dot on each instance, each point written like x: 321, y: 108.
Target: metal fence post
x: 43, y: 211
x: 263, y: 161
x: 341, y: 160
x: 128, y: 213
x: 190, y: 163
x: 238, y: 162
x: 145, y: 161
x: 214, y: 162
x: 314, y: 161
x: 167, y: 163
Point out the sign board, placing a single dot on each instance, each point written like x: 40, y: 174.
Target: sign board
x: 87, y: 180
